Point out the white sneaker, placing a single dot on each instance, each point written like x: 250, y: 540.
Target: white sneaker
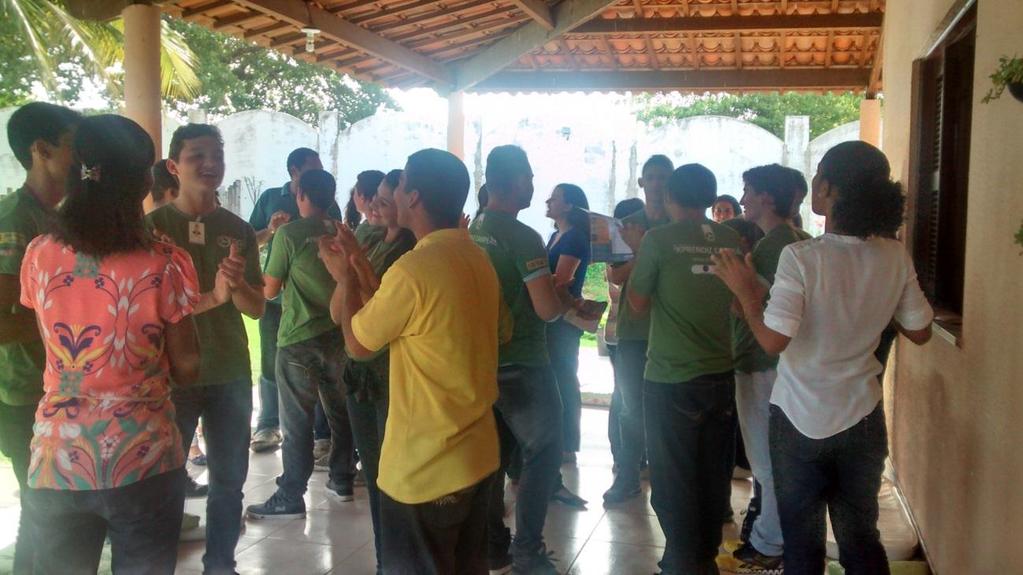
x: 321, y: 447
x: 266, y: 440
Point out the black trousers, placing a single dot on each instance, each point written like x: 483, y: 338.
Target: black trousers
x: 16, y: 423
x: 690, y: 443
x: 447, y: 536
x: 142, y: 519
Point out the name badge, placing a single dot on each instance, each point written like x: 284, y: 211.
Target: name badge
x: 197, y: 233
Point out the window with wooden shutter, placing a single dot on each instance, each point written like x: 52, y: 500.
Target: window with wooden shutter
x: 940, y: 163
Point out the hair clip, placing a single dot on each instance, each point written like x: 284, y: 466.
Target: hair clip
x: 90, y: 173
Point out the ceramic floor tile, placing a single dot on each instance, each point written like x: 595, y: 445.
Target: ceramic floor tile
x: 277, y: 556
x: 340, y: 531
x: 605, y: 558
x: 632, y: 528
x: 362, y: 562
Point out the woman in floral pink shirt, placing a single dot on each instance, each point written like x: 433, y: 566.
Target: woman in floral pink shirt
x: 113, y: 308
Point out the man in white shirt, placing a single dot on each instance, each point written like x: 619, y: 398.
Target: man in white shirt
x: 831, y: 299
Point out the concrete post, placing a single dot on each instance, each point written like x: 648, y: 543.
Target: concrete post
x: 329, y: 141
x: 870, y: 121
x: 142, y: 101
x: 456, y: 124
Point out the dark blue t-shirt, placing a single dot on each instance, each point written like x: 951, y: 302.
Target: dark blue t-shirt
x: 573, y: 243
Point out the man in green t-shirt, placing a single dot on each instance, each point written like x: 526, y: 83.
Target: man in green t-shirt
x: 529, y: 404
x: 689, y: 388
x: 633, y: 331
x: 310, y: 353
x: 274, y: 208
x: 770, y: 201
x: 226, y: 258
x: 40, y: 136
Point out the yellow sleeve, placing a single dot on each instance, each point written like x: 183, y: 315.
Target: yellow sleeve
x: 388, y: 314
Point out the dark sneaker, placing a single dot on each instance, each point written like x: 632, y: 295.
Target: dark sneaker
x: 195, y: 490
x: 539, y: 562
x: 563, y: 495
x: 340, y: 491
x: 500, y: 565
x: 621, y: 493
x: 277, y: 507
x: 753, y: 561
x: 266, y: 440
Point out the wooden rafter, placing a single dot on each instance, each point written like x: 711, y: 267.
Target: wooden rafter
x: 782, y: 49
x: 431, y: 16
x: 381, y: 14
x: 651, y: 53
x: 538, y: 11
x: 686, y: 80
x: 249, y: 34
x: 567, y: 15
x: 340, y: 30
x: 638, y: 6
x: 829, y: 48
x: 606, y: 47
x: 737, y: 38
x: 445, y: 26
x: 729, y: 23
x: 237, y: 20
x: 692, y: 48
x: 205, y: 8
x: 567, y: 52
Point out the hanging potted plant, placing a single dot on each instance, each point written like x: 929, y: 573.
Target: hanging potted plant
x: 1008, y: 75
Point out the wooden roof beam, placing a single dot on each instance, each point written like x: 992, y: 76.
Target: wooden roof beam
x: 684, y: 80
x: 538, y: 11
x: 237, y: 20
x: 339, y: 30
x: 729, y: 23
x: 249, y: 34
x: 567, y: 15
x: 199, y: 10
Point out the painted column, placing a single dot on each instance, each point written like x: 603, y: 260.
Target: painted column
x: 142, y: 101
x: 456, y: 124
x: 870, y: 121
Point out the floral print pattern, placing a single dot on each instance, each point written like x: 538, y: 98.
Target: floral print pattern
x: 106, y: 419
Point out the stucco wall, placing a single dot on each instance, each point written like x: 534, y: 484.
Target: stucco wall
x: 956, y: 413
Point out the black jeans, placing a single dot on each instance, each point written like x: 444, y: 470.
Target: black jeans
x: 528, y: 411
x: 226, y: 411
x: 16, y: 423
x: 446, y: 536
x: 310, y: 372
x: 631, y: 363
x: 563, y: 348
x: 690, y: 443
x: 614, y: 413
x: 841, y: 473
x: 368, y: 418
x: 142, y: 519
x: 269, y: 409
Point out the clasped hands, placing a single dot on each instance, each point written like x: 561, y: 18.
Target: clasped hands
x: 346, y: 261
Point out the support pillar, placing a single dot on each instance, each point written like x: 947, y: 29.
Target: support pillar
x: 456, y: 124
x: 870, y: 121
x: 142, y: 102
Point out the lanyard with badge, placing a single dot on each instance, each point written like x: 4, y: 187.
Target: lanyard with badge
x: 197, y: 232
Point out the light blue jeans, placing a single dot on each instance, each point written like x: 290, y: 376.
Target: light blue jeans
x: 753, y: 399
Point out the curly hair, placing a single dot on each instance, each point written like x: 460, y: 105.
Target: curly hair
x: 869, y: 203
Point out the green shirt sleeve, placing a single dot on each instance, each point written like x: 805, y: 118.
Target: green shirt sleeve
x: 280, y: 256
x: 13, y: 241
x: 530, y: 256
x: 643, y: 279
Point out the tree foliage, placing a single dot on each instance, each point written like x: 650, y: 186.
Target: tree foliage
x: 237, y: 75
x: 767, y: 110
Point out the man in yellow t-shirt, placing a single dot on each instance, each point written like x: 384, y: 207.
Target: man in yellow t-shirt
x: 437, y: 308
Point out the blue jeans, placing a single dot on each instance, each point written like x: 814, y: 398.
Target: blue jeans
x: 563, y: 348
x: 614, y: 413
x: 753, y: 400
x: 528, y: 411
x: 631, y: 364
x: 269, y: 409
x: 841, y: 473
x: 309, y: 372
x: 142, y: 520
x: 368, y: 416
x: 690, y: 443
x: 226, y: 411
x: 16, y: 423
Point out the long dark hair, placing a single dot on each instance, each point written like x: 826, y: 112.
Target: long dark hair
x: 574, y: 196
x: 102, y: 214
x: 869, y: 203
x: 366, y: 184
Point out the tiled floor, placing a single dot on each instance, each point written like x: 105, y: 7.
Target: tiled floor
x: 338, y: 538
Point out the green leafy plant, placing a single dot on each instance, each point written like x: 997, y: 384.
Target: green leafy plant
x: 1010, y: 71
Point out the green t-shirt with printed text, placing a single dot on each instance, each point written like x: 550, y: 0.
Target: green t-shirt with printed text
x: 308, y: 286
x: 223, y: 344
x: 22, y: 218
x: 749, y: 356
x: 518, y: 255
x: 690, y: 333
x: 632, y: 325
